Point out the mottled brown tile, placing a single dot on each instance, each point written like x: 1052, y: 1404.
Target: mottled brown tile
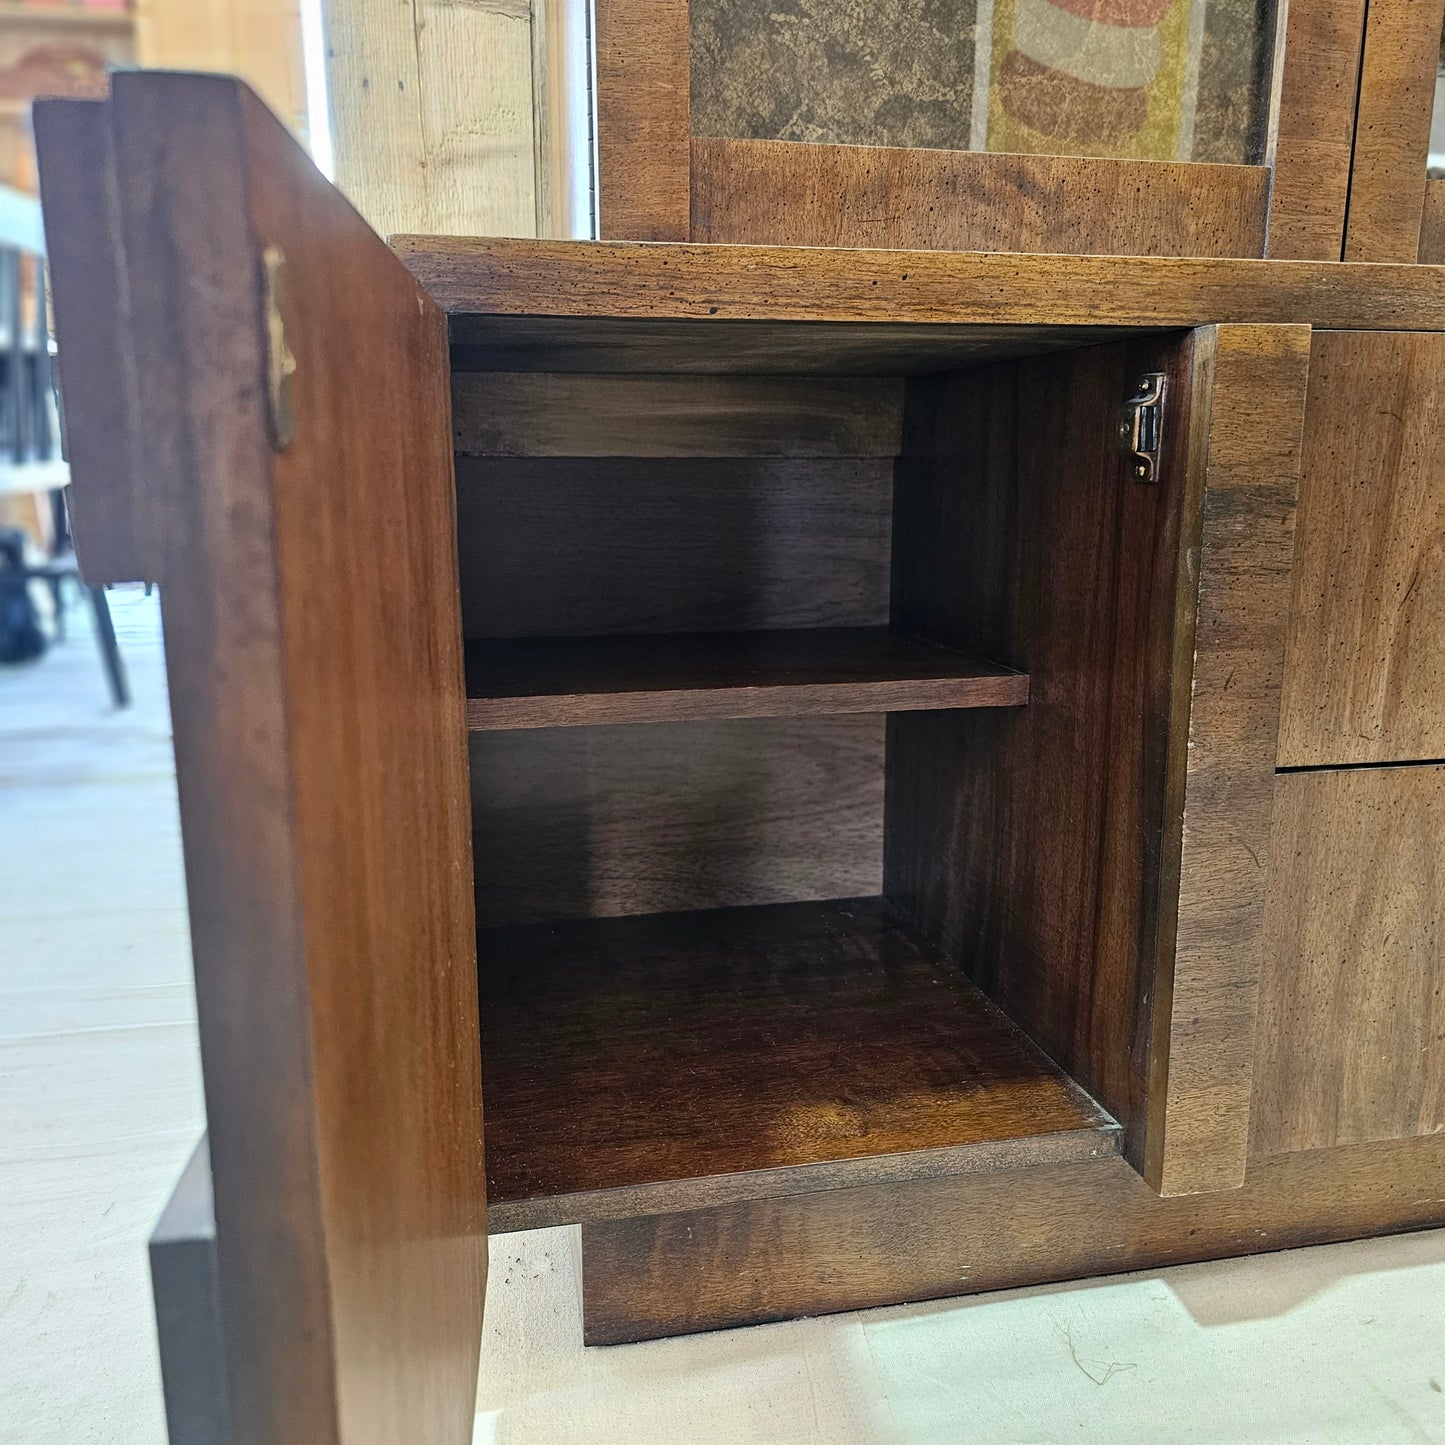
x: 1070, y: 77
x: 853, y: 72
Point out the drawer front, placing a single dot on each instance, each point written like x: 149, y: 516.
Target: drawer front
x: 1365, y: 664
x: 1352, y: 1004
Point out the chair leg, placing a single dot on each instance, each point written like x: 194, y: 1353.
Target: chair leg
x: 109, y: 650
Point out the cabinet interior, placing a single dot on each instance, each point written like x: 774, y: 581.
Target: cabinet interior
x: 819, y: 691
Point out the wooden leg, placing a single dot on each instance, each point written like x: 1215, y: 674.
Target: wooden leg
x: 109, y: 650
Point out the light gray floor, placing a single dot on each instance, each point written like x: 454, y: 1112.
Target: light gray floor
x: 100, y: 1105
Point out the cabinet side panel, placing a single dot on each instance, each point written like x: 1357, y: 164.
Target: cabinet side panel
x: 1032, y: 846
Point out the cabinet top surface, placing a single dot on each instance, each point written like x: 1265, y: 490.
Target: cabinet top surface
x: 722, y: 284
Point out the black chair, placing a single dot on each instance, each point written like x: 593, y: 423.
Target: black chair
x: 28, y: 437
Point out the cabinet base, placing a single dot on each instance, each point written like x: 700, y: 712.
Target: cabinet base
x: 848, y: 1249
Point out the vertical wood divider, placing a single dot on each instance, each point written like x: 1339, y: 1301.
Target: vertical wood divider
x: 1249, y: 416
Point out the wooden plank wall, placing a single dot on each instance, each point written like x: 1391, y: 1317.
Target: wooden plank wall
x: 257, y: 40
x: 420, y: 141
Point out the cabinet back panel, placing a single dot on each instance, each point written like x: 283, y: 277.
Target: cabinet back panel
x: 583, y: 547
x: 599, y: 822
x: 541, y: 414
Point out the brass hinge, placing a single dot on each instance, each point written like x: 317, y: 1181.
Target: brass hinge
x: 1141, y: 426
x: 280, y: 359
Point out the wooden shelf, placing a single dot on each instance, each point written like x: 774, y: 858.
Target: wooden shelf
x: 676, y: 1061
x: 571, y: 682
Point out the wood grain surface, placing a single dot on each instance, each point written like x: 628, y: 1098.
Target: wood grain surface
x: 781, y: 193
x: 1315, y: 134
x: 1352, y: 1014
x: 111, y: 520
x: 774, y: 283
x: 1026, y: 845
x: 562, y: 547
x: 642, y: 84
x: 603, y: 821
x: 1365, y: 670
x: 313, y: 651
x: 577, y: 682
x: 1205, y: 996
x: 748, y: 348
x: 1432, y: 225
x: 848, y: 1249
x: 646, y: 1064
x: 1392, y: 130
x: 578, y: 415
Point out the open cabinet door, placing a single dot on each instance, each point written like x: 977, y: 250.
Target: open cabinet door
x: 257, y: 408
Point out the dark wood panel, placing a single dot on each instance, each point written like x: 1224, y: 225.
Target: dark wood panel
x: 108, y: 505
x: 565, y: 547
x: 574, y: 822
x: 649, y: 1064
x: 776, y: 283
x: 1352, y: 1013
x: 776, y: 1259
x: 1432, y: 227
x: 533, y: 414
x: 1315, y: 135
x: 780, y: 193
x: 578, y: 682
x: 749, y: 348
x: 314, y: 659
x: 1029, y: 845
x: 186, y: 1287
x: 1392, y: 129
x: 1365, y: 668
x: 642, y: 93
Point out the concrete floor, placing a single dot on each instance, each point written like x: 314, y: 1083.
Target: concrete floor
x: 100, y: 1104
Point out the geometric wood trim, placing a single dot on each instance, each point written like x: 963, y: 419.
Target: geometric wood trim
x: 1352, y: 1006
x: 1432, y: 228
x: 786, y: 194
x: 1315, y: 137
x: 643, y: 119
x: 646, y: 153
x: 1365, y: 665
x: 721, y: 285
x: 1392, y: 135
